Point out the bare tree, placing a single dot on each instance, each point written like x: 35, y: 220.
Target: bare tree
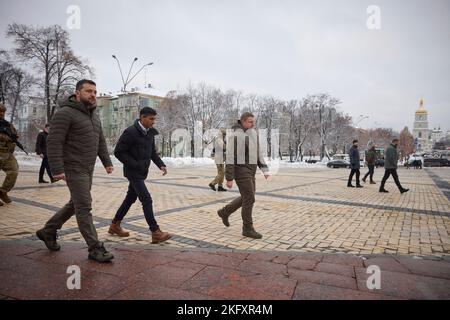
x: 15, y: 83
x: 47, y: 48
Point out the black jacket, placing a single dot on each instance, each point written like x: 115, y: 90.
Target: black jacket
x: 135, y: 149
x: 354, y: 158
x: 41, y: 143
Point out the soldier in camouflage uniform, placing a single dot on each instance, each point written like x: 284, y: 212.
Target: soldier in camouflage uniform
x: 8, y: 162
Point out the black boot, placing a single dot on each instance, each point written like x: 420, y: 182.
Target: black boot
x: 249, y: 231
x: 49, y: 239
x: 220, y: 188
x: 100, y: 254
x: 43, y: 181
x: 403, y: 190
x: 350, y: 185
x: 221, y: 213
x: 383, y: 191
x: 213, y: 187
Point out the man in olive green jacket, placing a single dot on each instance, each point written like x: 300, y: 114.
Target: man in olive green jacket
x: 241, y: 165
x: 75, y: 141
x: 390, y: 166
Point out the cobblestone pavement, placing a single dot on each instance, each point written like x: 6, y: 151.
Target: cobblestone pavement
x: 297, y: 210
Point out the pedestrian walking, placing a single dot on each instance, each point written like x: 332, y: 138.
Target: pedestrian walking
x: 371, y: 158
x: 354, y: 165
x: 74, y: 142
x: 8, y: 162
x: 136, y: 149
x: 41, y: 151
x: 241, y: 166
x: 390, y: 166
x: 219, y: 155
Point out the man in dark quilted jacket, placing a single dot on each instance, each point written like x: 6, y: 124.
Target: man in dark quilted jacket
x: 73, y: 144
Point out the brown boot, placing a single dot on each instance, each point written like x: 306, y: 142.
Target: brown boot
x: 159, y: 236
x: 1, y: 203
x: 115, y: 228
x: 4, y: 197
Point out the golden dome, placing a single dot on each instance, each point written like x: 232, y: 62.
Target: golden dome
x: 421, y: 109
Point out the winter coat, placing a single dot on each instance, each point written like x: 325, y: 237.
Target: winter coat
x: 76, y: 139
x: 135, y: 149
x: 391, y: 157
x: 371, y: 157
x: 41, y: 143
x: 354, y: 157
x: 236, y: 170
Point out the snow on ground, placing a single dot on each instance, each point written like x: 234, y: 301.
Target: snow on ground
x: 35, y: 161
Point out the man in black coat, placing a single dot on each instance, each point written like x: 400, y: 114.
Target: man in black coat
x: 354, y: 165
x: 41, y: 150
x: 135, y: 149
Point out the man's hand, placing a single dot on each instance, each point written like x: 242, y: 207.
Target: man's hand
x: 267, y: 175
x: 109, y: 170
x: 164, y: 170
x: 230, y: 184
x: 60, y: 176
x: 41, y: 155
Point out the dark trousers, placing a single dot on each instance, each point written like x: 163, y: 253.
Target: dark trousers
x: 247, y: 189
x: 387, y: 173
x: 80, y: 205
x: 45, y: 166
x: 352, y: 173
x: 138, y: 189
x: 371, y: 171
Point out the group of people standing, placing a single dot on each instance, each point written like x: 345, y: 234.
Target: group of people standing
x: 390, y: 166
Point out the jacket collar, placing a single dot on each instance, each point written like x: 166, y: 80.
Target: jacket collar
x: 151, y: 131
x: 73, y: 103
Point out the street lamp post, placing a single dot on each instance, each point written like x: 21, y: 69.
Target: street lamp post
x: 128, y: 80
x: 362, y: 118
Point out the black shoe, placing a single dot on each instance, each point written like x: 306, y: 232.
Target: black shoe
x: 373, y: 182
x: 220, y: 188
x: 383, y: 191
x: 221, y: 213
x: 54, y: 180
x: 364, y: 180
x: 49, y: 239
x: 43, y: 181
x: 213, y: 187
x: 359, y: 186
x: 100, y: 254
x: 251, y: 233
x: 350, y: 186
x: 404, y: 190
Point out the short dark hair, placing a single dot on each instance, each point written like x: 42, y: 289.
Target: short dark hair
x: 246, y: 115
x: 395, y: 139
x: 47, y: 125
x: 355, y: 141
x: 146, y: 111
x: 80, y: 84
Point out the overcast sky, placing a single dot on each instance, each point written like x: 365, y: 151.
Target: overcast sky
x: 286, y: 49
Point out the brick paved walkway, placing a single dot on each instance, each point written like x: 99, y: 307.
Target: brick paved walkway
x: 138, y: 272
x: 298, y: 211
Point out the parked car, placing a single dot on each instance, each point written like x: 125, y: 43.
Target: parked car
x: 436, y: 162
x: 338, y: 164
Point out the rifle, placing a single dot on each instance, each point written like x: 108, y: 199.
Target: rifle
x: 6, y: 129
